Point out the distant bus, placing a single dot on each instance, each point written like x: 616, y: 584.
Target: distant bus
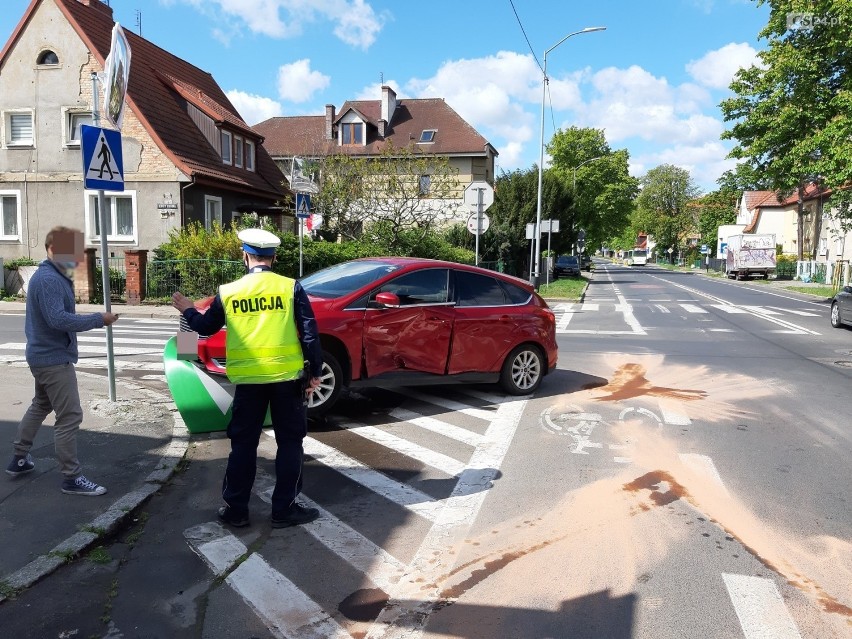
x: 636, y: 257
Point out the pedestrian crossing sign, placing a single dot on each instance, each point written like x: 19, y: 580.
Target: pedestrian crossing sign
x: 103, y: 165
x: 303, y: 206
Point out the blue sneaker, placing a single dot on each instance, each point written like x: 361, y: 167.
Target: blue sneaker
x: 20, y: 465
x: 82, y: 486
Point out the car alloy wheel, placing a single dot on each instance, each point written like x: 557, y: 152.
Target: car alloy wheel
x: 835, y: 315
x: 523, y: 370
x: 326, y: 394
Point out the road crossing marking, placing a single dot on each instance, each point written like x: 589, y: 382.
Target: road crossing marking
x: 96, y: 350
x: 439, y: 461
x: 122, y: 340
x: 663, y: 309
x: 380, y: 566
x: 692, y: 308
x: 760, y: 608
x: 262, y: 587
x: 795, y: 312
x: 384, y: 486
x: 437, y: 426
x: 451, y: 405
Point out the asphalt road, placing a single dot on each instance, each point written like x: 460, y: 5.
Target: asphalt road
x: 685, y: 473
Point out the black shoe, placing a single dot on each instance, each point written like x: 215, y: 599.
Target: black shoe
x: 226, y: 514
x: 296, y: 516
x: 20, y: 465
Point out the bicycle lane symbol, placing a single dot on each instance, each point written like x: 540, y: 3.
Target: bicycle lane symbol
x: 571, y: 421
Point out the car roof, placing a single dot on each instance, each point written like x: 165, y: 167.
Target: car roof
x: 412, y: 262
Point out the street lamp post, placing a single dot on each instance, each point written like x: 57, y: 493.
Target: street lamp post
x: 537, y: 239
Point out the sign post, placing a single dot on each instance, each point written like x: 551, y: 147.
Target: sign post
x: 102, y: 159
x: 303, y: 212
x: 479, y: 196
x: 552, y: 227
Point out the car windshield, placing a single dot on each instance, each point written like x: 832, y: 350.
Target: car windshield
x: 567, y: 259
x: 341, y: 279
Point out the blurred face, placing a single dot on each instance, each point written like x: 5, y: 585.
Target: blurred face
x: 67, y: 249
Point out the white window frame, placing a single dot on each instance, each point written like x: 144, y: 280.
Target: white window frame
x: 239, y: 147
x: 250, y: 155
x: 94, y: 238
x: 208, y: 221
x: 227, y: 156
x: 17, y: 195
x: 68, y: 116
x: 7, y: 128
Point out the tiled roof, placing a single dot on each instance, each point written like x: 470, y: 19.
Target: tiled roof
x: 305, y: 135
x: 158, y: 84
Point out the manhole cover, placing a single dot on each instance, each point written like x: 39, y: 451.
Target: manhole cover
x: 844, y: 364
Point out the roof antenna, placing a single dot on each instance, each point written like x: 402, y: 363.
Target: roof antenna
x: 381, y: 78
x: 139, y: 22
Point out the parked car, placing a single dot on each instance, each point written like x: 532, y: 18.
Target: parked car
x: 841, y: 307
x: 397, y: 321
x: 566, y: 265
x: 585, y: 262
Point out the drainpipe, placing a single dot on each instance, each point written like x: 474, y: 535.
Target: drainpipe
x: 183, y: 201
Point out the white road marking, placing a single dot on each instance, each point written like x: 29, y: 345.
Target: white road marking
x: 590, y: 306
x: 391, y: 489
x: 704, y: 466
x: 437, y: 426
x: 672, y: 412
x: 451, y: 405
x: 692, y: 308
x: 733, y: 310
x: 95, y: 350
x: 445, y: 464
x: 721, y: 330
x: 381, y: 567
x: 760, y: 310
x: 663, y: 309
x: 760, y: 608
x: 795, y: 312
x: 411, y: 599
x: 121, y: 340
x: 262, y: 587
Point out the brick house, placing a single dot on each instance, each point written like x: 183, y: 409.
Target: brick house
x: 364, y: 128
x: 188, y: 155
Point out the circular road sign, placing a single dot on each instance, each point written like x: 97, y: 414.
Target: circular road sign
x: 483, y: 223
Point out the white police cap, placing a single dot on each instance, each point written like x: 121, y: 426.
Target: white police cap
x: 258, y: 241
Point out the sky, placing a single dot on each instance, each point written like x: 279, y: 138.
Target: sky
x: 652, y: 80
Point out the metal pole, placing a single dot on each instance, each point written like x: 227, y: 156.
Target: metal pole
x: 301, y: 224
x: 549, y: 234
x: 537, y: 231
x: 478, y: 221
x: 104, y: 259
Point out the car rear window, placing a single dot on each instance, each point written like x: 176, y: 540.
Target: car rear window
x: 473, y: 289
x: 516, y: 294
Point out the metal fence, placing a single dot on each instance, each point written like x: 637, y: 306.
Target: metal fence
x: 194, y: 278
x: 117, y: 280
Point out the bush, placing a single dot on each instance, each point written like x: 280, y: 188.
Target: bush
x: 13, y: 264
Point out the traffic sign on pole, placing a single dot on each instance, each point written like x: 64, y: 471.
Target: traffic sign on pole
x: 471, y: 194
x: 303, y: 205
x: 103, y: 164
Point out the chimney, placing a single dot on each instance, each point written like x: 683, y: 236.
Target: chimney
x: 98, y: 5
x: 388, y: 103
x: 383, y: 127
x: 329, y: 121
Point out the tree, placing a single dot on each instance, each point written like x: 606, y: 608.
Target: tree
x: 713, y: 210
x: 402, y: 191
x: 792, y: 113
x: 662, y: 205
x: 603, y: 190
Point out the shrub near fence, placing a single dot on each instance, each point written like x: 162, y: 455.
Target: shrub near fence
x: 194, y: 278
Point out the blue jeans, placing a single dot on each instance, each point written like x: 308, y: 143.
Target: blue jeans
x: 285, y: 401
x: 55, y: 391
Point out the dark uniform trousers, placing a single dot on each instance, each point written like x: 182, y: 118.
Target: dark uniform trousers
x: 285, y: 401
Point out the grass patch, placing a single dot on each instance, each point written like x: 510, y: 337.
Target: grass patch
x: 65, y: 555
x: 566, y: 288
x: 99, y: 555
x: 818, y: 291
x: 7, y: 591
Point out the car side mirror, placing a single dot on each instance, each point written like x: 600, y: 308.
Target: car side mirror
x: 388, y: 300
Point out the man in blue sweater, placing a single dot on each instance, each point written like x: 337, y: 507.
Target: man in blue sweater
x: 51, y: 326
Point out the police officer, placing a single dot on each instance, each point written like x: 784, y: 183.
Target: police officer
x: 271, y: 332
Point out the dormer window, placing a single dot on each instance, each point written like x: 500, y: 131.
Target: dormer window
x: 47, y: 58
x: 352, y: 133
x: 427, y: 136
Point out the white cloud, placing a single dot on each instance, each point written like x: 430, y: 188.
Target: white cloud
x: 717, y: 68
x: 356, y: 23
x: 254, y: 108
x: 705, y: 162
x: 297, y: 83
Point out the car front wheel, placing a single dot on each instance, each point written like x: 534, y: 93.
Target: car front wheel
x: 331, y: 383
x: 523, y: 370
x: 835, y: 315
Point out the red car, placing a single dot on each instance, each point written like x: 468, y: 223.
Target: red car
x: 397, y: 321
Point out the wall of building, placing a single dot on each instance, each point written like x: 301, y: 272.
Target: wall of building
x: 48, y: 175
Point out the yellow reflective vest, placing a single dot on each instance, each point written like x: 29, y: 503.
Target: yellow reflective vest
x: 262, y: 343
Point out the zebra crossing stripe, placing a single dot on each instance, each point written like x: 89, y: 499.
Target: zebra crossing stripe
x: 262, y: 587
x: 437, y: 426
x: 381, y: 567
x: 692, y: 308
x: 451, y: 405
x: 760, y: 608
x: 122, y: 340
x: 402, y: 494
x: 439, y: 461
x: 94, y: 350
